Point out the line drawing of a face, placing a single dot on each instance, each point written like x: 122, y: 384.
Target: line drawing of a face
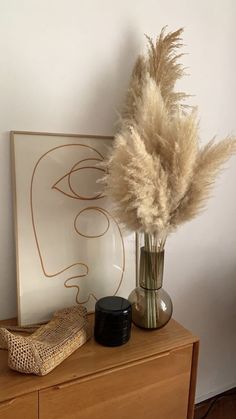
x: 76, y: 236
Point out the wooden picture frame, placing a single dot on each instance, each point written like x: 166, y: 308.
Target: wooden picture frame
x: 69, y: 247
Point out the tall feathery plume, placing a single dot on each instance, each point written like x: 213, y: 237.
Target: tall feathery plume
x: 157, y: 175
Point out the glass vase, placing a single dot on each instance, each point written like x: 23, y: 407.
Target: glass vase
x: 151, y: 305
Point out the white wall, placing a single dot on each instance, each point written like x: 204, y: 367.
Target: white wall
x: 64, y: 67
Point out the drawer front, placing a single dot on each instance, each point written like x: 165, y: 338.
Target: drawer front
x: 157, y: 388
x: 24, y: 407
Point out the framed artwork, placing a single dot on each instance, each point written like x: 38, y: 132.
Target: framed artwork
x: 69, y: 247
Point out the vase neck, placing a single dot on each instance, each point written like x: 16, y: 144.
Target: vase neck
x: 153, y: 242
x: 151, y: 269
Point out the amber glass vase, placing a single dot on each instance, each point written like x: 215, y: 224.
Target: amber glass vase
x: 151, y: 305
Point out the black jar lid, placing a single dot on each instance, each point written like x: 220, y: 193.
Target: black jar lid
x: 114, y: 305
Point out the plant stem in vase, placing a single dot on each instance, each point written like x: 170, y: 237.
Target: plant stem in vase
x: 151, y: 305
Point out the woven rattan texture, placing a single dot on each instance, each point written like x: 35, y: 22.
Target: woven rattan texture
x: 46, y: 348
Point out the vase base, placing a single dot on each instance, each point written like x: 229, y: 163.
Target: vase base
x: 151, y: 309
x: 150, y: 328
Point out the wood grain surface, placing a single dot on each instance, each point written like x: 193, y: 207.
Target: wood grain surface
x: 24, y: 407
x: 155, y: 389
x: 93, y: 358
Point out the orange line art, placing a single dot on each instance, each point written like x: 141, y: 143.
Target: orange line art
x: 107, y: 214
x: 103, y: 211
x: 100, y: 195
x: 73, y: 170
x: 77, y: 293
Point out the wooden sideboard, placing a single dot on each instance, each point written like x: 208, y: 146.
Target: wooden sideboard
x: 153, y: 376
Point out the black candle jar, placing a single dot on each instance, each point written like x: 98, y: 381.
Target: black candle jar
x: 113, y: 317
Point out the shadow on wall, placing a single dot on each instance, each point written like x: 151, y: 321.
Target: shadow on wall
x: 106, y: 92
x: 205, y: 295
x: 207, y: 308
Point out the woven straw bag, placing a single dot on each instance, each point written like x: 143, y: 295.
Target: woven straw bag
x: 46, y: 348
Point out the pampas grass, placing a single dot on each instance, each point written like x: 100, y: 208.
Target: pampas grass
x: 157, y: 175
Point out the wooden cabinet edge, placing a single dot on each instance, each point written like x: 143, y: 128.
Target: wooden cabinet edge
x: 17, y: 406
x: 12, y: 400
x: 111, y: 370
x: 8, y: 402
x: 41, y: 386
x: 193, y: 379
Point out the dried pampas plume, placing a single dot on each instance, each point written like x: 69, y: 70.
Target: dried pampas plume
x: 157, y: 175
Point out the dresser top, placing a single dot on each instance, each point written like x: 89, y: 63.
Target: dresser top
x: 93, y: 358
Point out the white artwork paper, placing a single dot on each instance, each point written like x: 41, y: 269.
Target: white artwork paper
x: 70, y: 248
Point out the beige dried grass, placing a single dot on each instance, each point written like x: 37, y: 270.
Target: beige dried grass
x: 157, y: 175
